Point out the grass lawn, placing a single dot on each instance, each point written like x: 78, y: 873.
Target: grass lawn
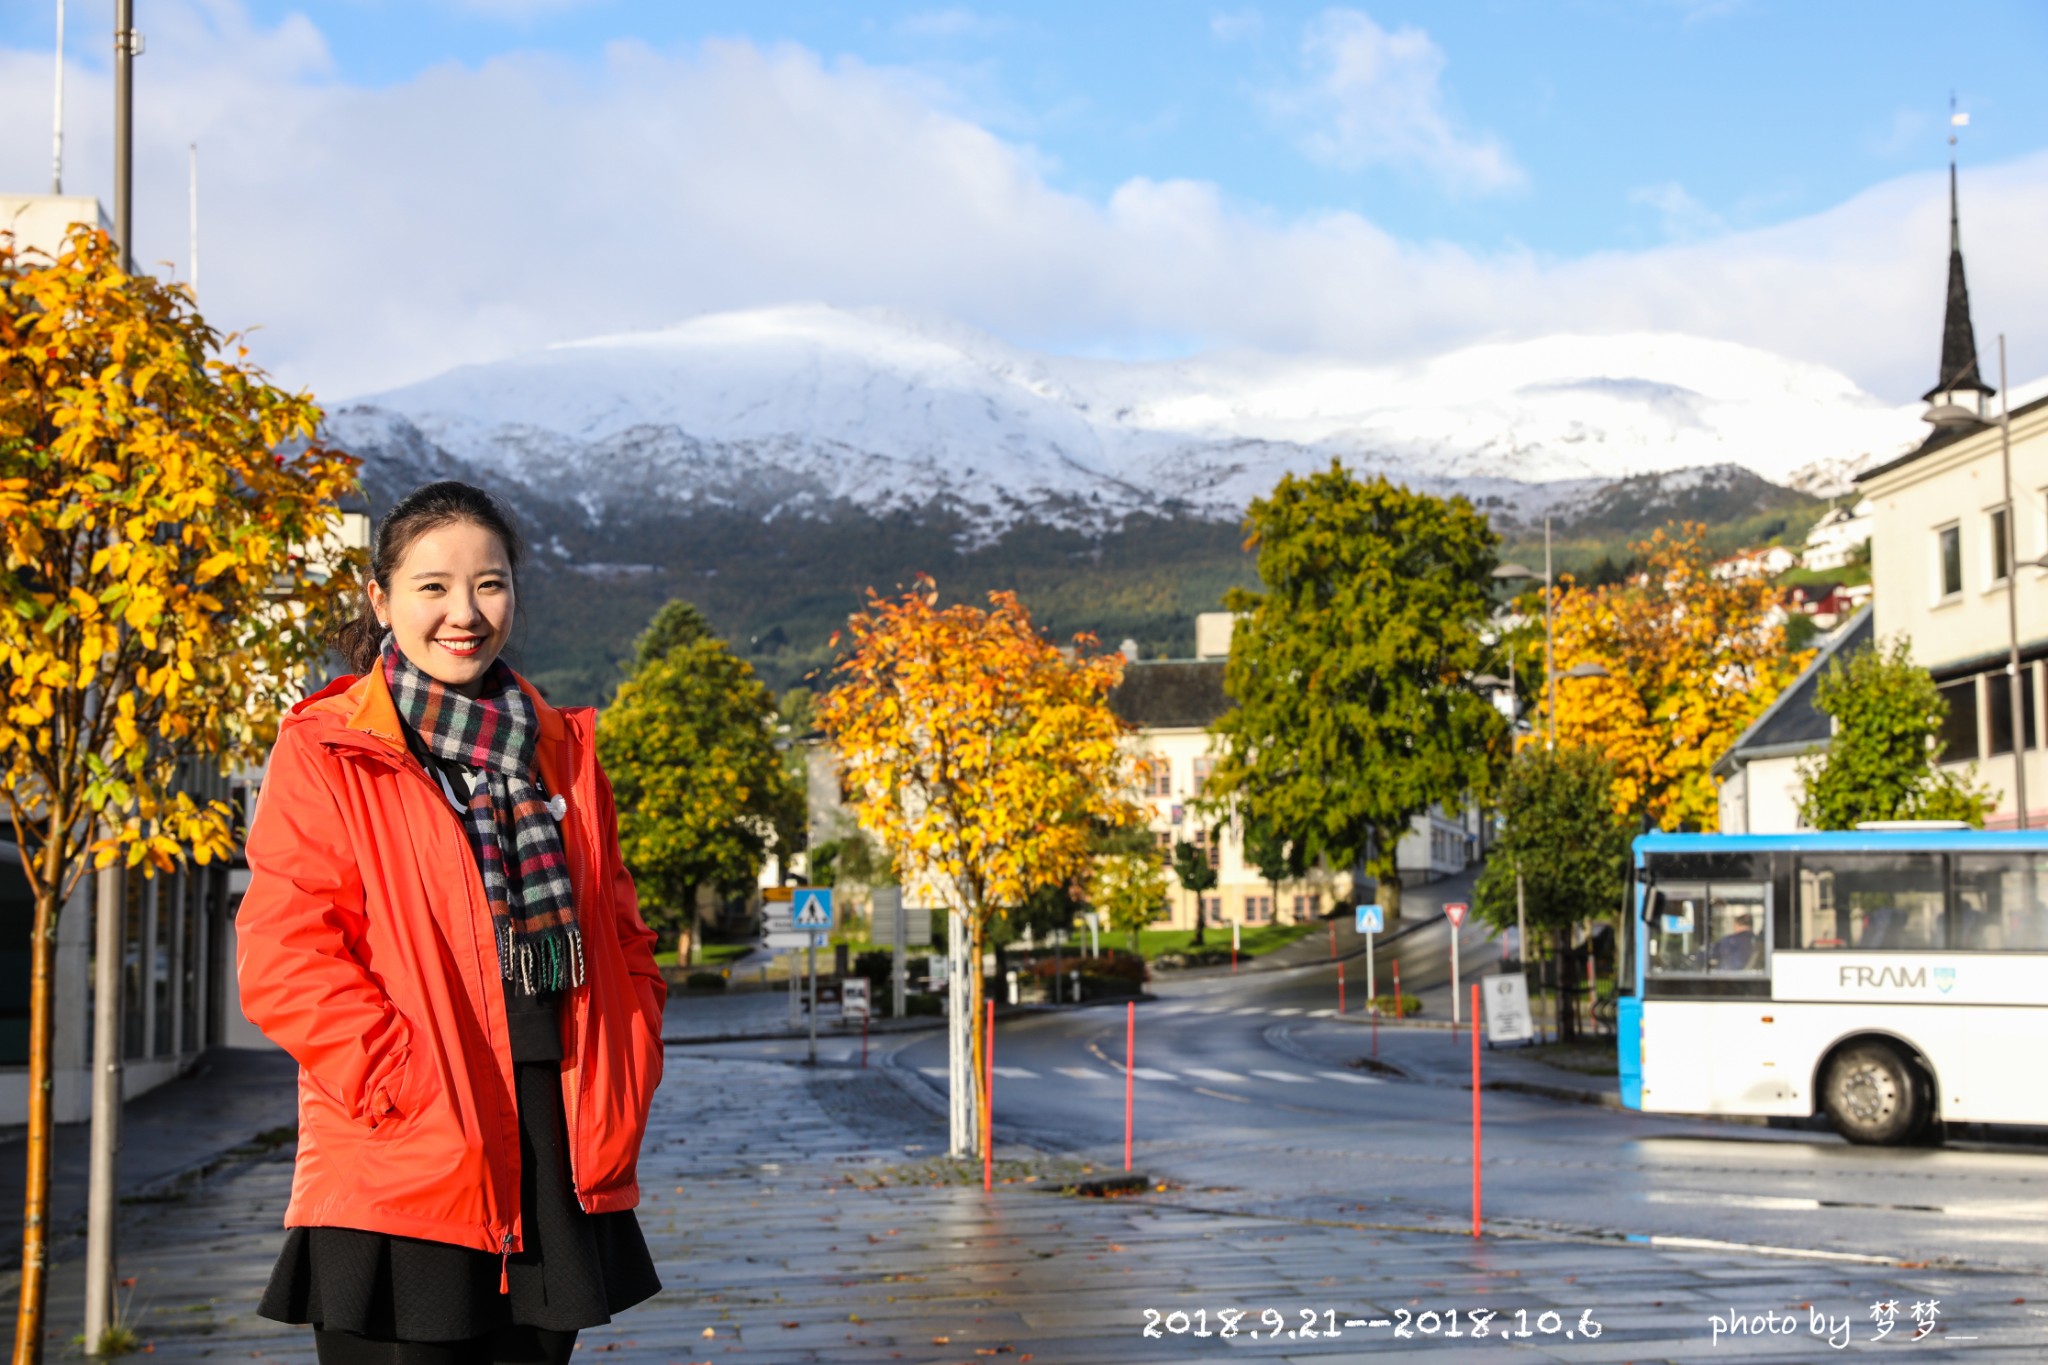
x: 1251, y: 942
x: 710, y: 956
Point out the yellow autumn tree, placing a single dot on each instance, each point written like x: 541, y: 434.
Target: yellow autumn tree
x: 980, y: 755
x: 1690, y: 660
x: 168, y: 558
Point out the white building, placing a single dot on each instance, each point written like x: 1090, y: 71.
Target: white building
x: 1837, y: 538
x: 1759, y: 783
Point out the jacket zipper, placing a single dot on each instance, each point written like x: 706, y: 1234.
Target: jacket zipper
x: 569, y: 843
x: 504, y: 1265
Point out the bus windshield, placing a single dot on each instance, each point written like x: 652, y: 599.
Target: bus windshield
x: 1710, y: 929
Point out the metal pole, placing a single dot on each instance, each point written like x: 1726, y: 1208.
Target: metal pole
x: 1454, y: 978
x: 57, y: 123
x: 811, y: 962
x: 1521, y: 922
x: 102, y: 1206
x: 1475, y: 1111
x: 2014, y: 690
x: 1549, y: 647
x: 124, y: 130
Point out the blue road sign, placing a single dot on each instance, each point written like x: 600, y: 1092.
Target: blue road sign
x: 1371, y: 920
x: 811, y: 908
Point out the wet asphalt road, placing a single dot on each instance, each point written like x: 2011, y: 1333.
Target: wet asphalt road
x: 1244, y: 1093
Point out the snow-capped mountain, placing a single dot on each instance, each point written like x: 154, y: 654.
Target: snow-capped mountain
x: 791, y: 410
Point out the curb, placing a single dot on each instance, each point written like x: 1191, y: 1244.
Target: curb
x: 1260, y: 964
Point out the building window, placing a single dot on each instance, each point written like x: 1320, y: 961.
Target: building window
x: 1959, y: 727
x: 1212, y: 845
x: 2001, y: 545
x: 1212, y: 909
x: 1307, y: 908
x: 1258, y: 909
x: 1999, y: 703
x: 1159, y: 776
x: 1164, y: 839
x: 1203, y: 767
x: 1948, y: 561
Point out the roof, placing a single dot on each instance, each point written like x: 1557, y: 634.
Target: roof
x: 1167, y: 694
x: 1792, y: 724
x: 1945, y: 436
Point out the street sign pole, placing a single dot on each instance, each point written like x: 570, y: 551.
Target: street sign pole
x: 1455, y: 912
x: 811, y: 954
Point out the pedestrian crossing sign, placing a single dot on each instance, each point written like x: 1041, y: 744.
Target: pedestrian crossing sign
x: 1371, y: 920
x: 813, y: 908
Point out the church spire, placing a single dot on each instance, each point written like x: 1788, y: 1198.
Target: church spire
x: 1958, y: 394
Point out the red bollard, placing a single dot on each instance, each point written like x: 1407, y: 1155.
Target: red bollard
x: 1130, y: 1061
x: 1475, y: 1111
x: 988, y: 1104
x: 1340, y: 988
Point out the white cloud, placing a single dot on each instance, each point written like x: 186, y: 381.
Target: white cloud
x: 953, y: 23
x: 521, y: 11
x: 1371, y: 97
x: 1683, y: 218
x: 1236, y: 26
x: 380, y: 235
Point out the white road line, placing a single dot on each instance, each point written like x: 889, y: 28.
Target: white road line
x: 1212, y: 1009
x: 1352, y: 1076
x: 1146, y: 1073
x: 941, y: 1072
x: 1322, y: 1014
x: 1211, y: 1074
x: 1289, y: 1010
x: 1284, y: 1076
x: 1251, y: 1009
x: 1169, y: 1009
x: 1082, y: 1073
x: 1015, y: 1073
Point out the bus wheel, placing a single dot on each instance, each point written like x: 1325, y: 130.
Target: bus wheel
x: 1873, y: 1095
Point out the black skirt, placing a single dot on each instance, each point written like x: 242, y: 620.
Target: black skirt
x: 577, y: 1268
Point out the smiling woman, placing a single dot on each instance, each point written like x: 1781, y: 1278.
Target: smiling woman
x: 468, y: 1147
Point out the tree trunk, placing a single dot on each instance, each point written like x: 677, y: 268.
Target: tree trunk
x: 35, y: 1214
x: 1567, y: 997
x: 977, y: 1032
x: 1201, y: 920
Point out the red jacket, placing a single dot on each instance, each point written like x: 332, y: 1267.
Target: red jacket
x: 364, y: 949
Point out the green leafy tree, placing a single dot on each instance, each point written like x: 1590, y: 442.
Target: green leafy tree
x: 689, y: 745
x: 1880, y: 765
x: 1127, y: 889
x: 1563, y: 837
x: 1277, y: 857
x: 1191, y: 869
x: 1349, y: 670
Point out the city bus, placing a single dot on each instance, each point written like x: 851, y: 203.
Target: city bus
x: 1892, y: 978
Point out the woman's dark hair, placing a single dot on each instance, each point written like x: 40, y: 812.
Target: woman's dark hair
x: 427, y: 508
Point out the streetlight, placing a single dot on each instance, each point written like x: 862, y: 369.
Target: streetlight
x: 2014, y: 696
x: 1517, y: 571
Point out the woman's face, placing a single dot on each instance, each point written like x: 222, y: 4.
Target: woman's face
x: 449, y: 604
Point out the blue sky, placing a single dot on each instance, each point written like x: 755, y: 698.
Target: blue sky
x: 1630, y: 120
x: 1128, y: 177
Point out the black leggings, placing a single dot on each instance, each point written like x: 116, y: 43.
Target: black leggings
x: 507, y: 1346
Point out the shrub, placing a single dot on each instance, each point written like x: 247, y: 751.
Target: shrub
x: 1409, y: 1004
x: 922, y: 1004
x: 705, y: 981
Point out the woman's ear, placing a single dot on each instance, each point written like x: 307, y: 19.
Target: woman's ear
x: 375, y: 593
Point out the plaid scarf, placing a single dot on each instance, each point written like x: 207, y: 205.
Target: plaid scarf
x: 518, y: 847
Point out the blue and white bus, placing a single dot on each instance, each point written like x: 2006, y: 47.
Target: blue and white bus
x: 1889, y: 978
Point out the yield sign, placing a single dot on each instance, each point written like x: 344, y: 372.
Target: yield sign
x: 1455, y: 911
x: 813, y: 908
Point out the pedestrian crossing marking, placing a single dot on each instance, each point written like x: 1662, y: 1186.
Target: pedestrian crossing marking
x: 1082, y: 1073
x: 1172, y: 1009
x: 1288, y: 1076
x: 941, y: 1072
x: 1146, y: 1073
x: 1212, y: 1009
x: 1251, y: 1009
x: 1322, y: 1014
x: 1015, y: 1073
x: 1351, y: 1076
x: 1292, y: 1009
x: 1211, y: 1074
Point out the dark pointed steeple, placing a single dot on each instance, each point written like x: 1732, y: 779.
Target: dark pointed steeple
x: 1959, y: 394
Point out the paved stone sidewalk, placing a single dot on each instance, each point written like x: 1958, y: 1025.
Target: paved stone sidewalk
x: 799, y: 1216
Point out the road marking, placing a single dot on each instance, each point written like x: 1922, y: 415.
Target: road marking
x: 1284, y: 1076
x: 1212, y: 1009
x: 1082, y: 1073
x: 1322, y: 1014
x: 1210, y: 1074
x: 1251, y: 1009
x: 1015, y: 1073
x: 1352, y: 1076
x: 1170, y: 1009
x: 941, y: 1072
x: 1290, y: 1010
x: 1146, y: 1073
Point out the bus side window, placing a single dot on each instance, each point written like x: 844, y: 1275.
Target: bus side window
x: 2001, y: 902
x: 1889, y: 901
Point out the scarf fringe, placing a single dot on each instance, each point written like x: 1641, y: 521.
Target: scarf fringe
x: 552, y: 961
